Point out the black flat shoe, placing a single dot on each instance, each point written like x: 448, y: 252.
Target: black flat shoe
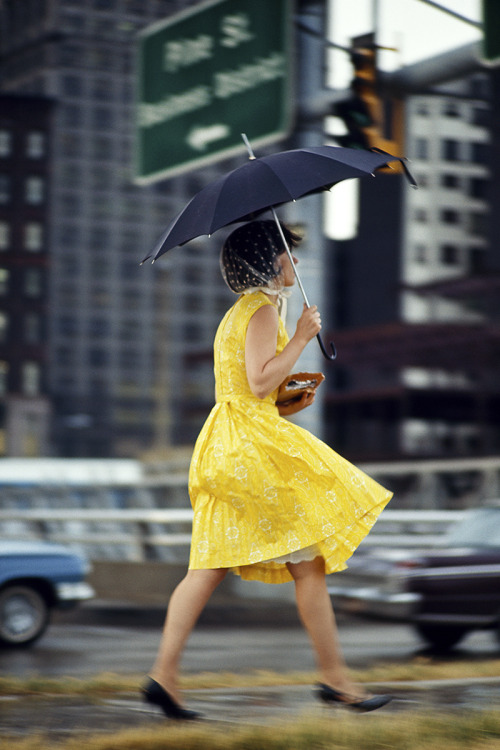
x: 328, y: 695
x: 154, y: 693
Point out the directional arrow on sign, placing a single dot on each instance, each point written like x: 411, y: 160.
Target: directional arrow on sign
x: 199, y: 138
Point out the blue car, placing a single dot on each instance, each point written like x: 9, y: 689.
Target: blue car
x: 35, y: 578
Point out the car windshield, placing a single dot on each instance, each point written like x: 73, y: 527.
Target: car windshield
x: 479, y: 528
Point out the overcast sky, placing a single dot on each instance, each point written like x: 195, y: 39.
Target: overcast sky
x: 415, y: 28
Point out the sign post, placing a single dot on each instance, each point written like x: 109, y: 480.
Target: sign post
x: 205, y: 76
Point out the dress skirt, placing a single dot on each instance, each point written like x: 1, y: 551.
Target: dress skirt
x: 264, y: 487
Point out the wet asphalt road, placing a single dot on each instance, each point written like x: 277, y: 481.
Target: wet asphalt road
x: 93, y: 640
x: 124, y: 641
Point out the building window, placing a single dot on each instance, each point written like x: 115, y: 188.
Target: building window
x: 103, y: 89
x: 477, y: 257
x: 481, y: 116
x: 5, y: 143
x: 33, y: 283
x: 34, y: 191
x: 4, y: 281
x: 4, y: 376
x: 33, y: 236
x: 478, y: 224
x: 4, y: 235
x: 69, y: 236
x: 420, y: 216
x: 104, y: 4
x: 450, y: 150
x: 478, y: 188
x: 72, y: 86
x: 5, y: 189
x: 451, y: 109
x: 102, y: 148
x: 102, y: 118
x: 449, y: 254
x: 71, y: 145
x: 71, y: 116
x: 4, y: 326
x: 67, y: 325
x: 70, y: 204
x: 421, y: 148
x: 449, y: 216
x: 480, y: 153
x: 98, y: 357
x: 420, y: 253
x: 35, y: 146
x: 31, y: 377
x: 32, y: 329
x: 451, y: 181
x: 98, y: 328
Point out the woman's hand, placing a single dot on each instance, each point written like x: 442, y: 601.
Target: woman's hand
x: 266, y: 370
x: 309, y: 323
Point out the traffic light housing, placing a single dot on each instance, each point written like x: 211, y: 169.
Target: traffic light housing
x: 373, y: 119
x: 491, y: 37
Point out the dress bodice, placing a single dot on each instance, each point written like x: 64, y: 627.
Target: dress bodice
x: 229, y: 349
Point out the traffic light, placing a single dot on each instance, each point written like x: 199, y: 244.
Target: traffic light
x: 491, y: 37
x: 372, y: 118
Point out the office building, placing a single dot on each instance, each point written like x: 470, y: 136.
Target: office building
x: 25, y: 188
x: 108, y: 361
x: 417, y: 375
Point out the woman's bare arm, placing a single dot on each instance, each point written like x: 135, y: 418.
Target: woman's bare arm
x: 265, y: 369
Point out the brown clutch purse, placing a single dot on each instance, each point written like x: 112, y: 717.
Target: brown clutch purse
x: 295, y: 391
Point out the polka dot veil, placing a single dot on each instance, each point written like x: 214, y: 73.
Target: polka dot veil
x: 249, y: 256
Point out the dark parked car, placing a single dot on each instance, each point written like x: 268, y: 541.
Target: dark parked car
x: 35, y: 578
x: 444, y: 592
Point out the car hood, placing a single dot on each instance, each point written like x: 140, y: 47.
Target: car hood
x: 379, y: 559
x: 459, y: 555
x: 34, y: 547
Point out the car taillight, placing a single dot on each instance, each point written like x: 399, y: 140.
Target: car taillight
x: 409, y: 564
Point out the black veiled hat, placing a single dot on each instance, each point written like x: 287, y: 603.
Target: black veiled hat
x: 248, y: 257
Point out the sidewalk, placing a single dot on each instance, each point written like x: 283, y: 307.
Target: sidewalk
x: 60, y: 717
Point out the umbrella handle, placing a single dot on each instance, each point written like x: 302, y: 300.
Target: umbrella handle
x: 331, y: 356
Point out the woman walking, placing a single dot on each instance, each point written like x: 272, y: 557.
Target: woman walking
x: 271, y: 502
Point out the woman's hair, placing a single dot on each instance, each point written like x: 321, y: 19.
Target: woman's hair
x: 248, y: 257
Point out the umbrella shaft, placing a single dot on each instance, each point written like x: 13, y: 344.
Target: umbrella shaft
x: 285, y: 243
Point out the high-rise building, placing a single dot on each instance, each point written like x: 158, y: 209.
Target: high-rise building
x: 25, y: 188
x: 446, y: 239
x: 107, y: 314
x: 416, y: 294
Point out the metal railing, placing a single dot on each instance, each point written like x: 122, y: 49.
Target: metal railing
x: 166, y: 534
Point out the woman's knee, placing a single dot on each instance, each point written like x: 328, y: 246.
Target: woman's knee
x: 307, y: 568
x: 209, y: 577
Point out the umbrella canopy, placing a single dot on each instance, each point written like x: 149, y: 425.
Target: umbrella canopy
x: 260, y: 184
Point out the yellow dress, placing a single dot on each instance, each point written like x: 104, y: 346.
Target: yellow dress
x: 262, y: 487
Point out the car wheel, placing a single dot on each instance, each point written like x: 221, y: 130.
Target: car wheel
x: 24, y: 615
x: 442, y: 637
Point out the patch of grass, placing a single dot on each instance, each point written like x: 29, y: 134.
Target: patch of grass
x: 465, y: 731
x: 103, y: 685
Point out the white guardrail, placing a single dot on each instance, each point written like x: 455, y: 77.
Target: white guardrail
x: 145, y: 534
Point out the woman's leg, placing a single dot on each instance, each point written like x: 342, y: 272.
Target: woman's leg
x: 316, y: 612
x: 185, y: 606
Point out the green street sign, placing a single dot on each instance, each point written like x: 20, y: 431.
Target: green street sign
x: 205, y: 76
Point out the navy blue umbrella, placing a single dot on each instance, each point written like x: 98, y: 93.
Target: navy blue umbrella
x: 261, y: 184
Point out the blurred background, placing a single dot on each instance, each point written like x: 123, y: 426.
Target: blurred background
x: 113, y: 113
